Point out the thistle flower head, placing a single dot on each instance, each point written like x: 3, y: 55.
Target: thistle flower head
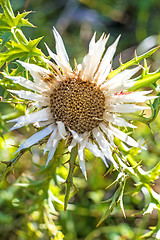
x: 80, y: 104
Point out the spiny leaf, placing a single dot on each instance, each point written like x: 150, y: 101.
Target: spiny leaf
x: 116, y: 198
x: 19, y: 20
x: 8, y: 20
x: 20, y: 50
x: 33, y: 43
x: 145, y: 81
x: 4, y: 24
x: 111, y: 207
x: 6, y: 37
x: 136, y: 60
x: 7, y: 8
x: 11, y: 165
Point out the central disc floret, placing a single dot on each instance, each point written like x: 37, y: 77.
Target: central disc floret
x: 78, y: 104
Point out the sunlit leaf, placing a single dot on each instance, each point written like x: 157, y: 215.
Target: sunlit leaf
x: 136, y: 60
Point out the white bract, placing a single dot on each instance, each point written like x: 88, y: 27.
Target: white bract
x: 93, y: 69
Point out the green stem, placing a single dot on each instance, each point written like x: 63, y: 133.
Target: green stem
x: 69, y: 180
x: 20, y: 36
x: 7, y: 8
x: 11, y: 164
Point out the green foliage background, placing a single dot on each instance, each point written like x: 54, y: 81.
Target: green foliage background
x: 31, y: 196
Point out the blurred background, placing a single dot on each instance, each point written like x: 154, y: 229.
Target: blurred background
x: 138, y: 22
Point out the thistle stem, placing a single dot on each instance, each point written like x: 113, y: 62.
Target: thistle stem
x: 69, y: 180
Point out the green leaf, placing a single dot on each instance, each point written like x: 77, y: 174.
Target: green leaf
x: 20, y: 50
x: 155, y: 106
x: 145, y: 81
x: 4, y: 24
x: 2, y: 126
x: 7, y: 8
x: 111, y: 207
x: 117, y: 198
x: 19, y: 20
x: 147, y: 235
x: 136, y: 60
x: 34, y: 43
x: 8, y: 20
x: 6, y: 37
x: 11, y: 165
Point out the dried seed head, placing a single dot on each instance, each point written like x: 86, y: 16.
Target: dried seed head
x: 78, y: 104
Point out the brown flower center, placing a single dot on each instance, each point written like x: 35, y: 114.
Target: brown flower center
x: 78, y: 104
